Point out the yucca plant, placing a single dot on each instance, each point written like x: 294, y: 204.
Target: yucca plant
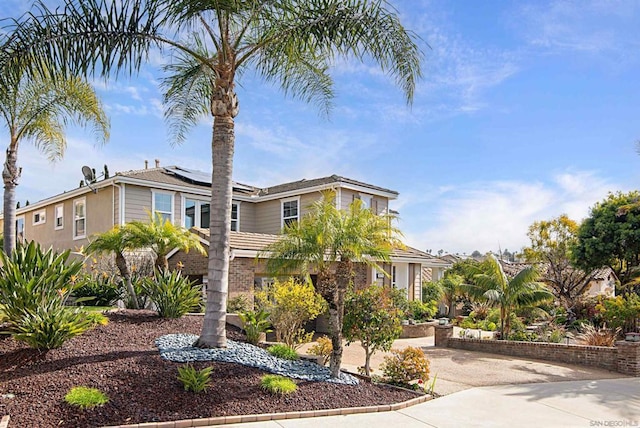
x: 32, y: 278
x: 50, y: 326
x: 193, y: 379
x: 172, y: 294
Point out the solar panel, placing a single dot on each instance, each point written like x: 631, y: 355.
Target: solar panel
x: 200, y: 177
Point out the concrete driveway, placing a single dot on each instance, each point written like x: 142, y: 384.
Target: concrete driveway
x: 458, y: 370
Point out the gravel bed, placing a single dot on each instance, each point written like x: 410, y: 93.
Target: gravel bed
x: 179, y: 348
x: 121, y: 360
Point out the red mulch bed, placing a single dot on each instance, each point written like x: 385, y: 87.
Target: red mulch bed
x: 122, y: 361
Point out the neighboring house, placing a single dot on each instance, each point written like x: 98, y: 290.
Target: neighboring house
x: 68, y: 220
x: 602, y: 281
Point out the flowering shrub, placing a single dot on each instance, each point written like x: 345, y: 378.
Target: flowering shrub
x: 406, y: 365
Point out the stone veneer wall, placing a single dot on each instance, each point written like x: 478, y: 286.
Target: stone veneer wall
x: 623, y: 358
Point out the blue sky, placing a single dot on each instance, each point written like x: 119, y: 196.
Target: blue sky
x: 527, y: 110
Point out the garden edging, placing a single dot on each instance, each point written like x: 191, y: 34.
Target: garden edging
x: 238, y: 419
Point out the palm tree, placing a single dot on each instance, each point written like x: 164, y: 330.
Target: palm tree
x: 289, y: 42
x: 162, y: 236
x: 37, y: 109
x: 452, y: 286
x: 330, y: 241
x: 523, y: 290
x: 116, y: 241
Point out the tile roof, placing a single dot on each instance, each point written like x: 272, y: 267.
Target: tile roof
x: 258, y: 241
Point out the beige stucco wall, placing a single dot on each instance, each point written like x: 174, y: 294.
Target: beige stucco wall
x: 347, y: 196
x: 99, y: 218
x: 247, y: 216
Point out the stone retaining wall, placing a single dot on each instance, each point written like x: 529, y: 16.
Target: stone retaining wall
x: 623, y: 358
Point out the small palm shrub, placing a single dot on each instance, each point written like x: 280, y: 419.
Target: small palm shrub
x: 193, y: 379
x: 595, y: 336
x: 406, y: 365
x: 85, y: 398
x: 276, y: 384
x: 283, y: 351
x: 323, y: 348
x: 101, y: 289
x: 254, y: 324
x: 172, y: 294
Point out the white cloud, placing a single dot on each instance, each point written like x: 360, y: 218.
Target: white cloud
x: 485, y: 216
x: 592, y: 27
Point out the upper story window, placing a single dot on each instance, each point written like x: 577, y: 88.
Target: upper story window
x: 235, y: 217
x: 59, y: 217
x: 39, y: 217
x: 290, y: 211
x: 197, y: 213
x: 20, y: 230
x: 367, y: 201
x: 162, y: 203
x: 79, y: 218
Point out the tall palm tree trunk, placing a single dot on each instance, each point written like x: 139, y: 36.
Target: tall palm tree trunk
x: 344, y: 274
x: 10, y: 176
x: 224, y: 107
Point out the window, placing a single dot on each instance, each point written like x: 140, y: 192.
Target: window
x: 235, y: 217
x: 290, y: 211
x: 59, y: 220
x: 19, y: 230
x: 393, y: 276
x: 367, y: 200
x: 79, y: 219
x: 163, y: 205
x: 197, y: 213
x: 39, y: 217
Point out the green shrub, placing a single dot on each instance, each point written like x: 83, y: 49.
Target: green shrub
x: 290, y: 305
x: 406, y: 365
x: 49, y: 327
x: 95, y: 318
x: 516, y: 323
x: 431, y: 291
x: 323, y: 348
x: 283, y: 351
x: 420, y: 311
x: 524, y: 336
x: 370, y: 316
x: 255, y: 323
x: 85, y: 398
x: 193, y: 379
x: 620, y: 312
x: 101, y: 289
x: 467, y: 323
x: 172, y: 294
x: 238, y: 304
x: 276, y: 384
x: 32, y: 278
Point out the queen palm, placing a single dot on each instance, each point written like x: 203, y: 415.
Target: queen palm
x: 510, y: 294
x: 330, y: 241
x: 289, y: 42
x: 37, y: 109
x: 117, y: 241
x: 162, y: 236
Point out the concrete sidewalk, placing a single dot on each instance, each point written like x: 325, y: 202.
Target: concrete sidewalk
x: 605, y: 403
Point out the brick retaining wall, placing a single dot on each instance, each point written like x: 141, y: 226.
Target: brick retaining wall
x: 623, y: 358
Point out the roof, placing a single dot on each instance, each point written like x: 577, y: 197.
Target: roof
x: 304, y: 183
x: 255, y: 242
x: 178, y: 176
x: 512, y: 269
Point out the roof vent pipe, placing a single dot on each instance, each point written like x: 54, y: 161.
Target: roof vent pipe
x: 157, y: 163
x: 146, y: 164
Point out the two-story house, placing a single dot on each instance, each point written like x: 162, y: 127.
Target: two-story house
x: 68, y: 220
